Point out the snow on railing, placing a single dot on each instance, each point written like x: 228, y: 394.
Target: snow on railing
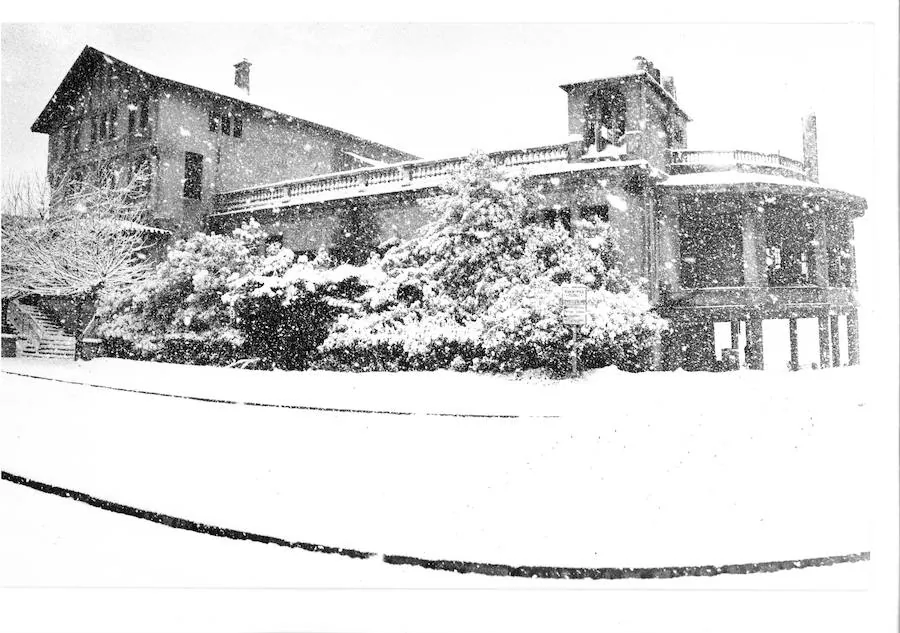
x: 25, y: 323
x: 381, y: 179
x: 733, y: 157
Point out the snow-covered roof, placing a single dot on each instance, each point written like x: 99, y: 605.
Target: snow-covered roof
x: 89, y: 55
x: 744, y: 180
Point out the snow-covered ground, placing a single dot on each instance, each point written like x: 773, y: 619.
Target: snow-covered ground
x: 610, y: 470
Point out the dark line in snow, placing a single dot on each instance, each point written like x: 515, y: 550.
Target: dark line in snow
x: 461, y: 567
x: 273, y: 405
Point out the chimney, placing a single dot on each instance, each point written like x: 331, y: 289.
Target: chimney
x: 810, y: 147
x: 242, y: 76
x: 668, y: 83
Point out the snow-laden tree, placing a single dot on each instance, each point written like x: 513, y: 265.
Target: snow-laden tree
x: 77, y: 239
x: 479, y: 288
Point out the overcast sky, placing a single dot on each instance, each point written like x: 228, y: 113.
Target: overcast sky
x: 445, y: 89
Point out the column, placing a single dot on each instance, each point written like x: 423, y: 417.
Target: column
x: 853, y: 337
x: 795, y: 355
x: 824, y: 342
x: 735, y: 334
x: 754, y: 352
x: 835, y: 342
x: 754, y: 244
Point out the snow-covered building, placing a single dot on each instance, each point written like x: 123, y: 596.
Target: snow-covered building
x: 194, y: 142
x: 726, y: 240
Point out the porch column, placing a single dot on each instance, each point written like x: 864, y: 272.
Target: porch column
x: 853, y: 337
x: 754, y: 245
x: 835, y: 342
x: 795, y: 355
x: 735, y: 334
x: 824, y: 342
x: 754, y: 351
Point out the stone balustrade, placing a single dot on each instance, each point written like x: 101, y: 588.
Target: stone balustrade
x: 371, y: 180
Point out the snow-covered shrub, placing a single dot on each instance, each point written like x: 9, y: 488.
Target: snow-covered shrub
x: 177, y: 315
x: 479, y: 288
x: 284, y: 307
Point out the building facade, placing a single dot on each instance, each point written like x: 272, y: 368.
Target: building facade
x: 727, y: 243
x: 194, y: 143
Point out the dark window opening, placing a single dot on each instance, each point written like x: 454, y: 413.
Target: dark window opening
x: 213, y: 120
x: 712, y: 250
x: 145, y: 113
x: 113, y: 121
x: 226, y: 123
x: 104, y: 125
x: 132, y: 121
x: 193, y: 175
x: 790, y: 248
x: 238, y: 130
x: 604, y: 117
x: 93, y: 129
x: 76, y: 138
x: 598, y: 212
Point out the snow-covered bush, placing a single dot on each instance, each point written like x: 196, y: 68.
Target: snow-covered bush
x: 178, y: 315
x: 284, y: 307
x: 479, y: 288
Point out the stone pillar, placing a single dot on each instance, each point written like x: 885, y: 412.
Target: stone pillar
x: 795, y: 353
x: 853, y: 337
x: 835, y: 342
x: 820, y: 263
x: 735, y: 334
x: 824, y: 342
x: 754, y: 244
x: 754, y: 351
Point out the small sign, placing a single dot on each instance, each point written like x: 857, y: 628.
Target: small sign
x: 574, y: 301
x: 574, y: 316
x: 574, y: 294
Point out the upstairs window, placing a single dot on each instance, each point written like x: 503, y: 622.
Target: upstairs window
x: 145, y: 113
x: 76, y: 138
x: 132, y: 120
x: 193, y: 175
x: 93, y: 129
x: 226, y: 122
x: 113, y: 121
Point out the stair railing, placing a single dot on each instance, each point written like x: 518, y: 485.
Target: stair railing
x: 25, y: 323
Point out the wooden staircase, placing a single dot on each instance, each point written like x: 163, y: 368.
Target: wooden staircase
x: 42, y: 337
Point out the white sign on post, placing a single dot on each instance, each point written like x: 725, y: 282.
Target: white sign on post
x: 574, y: 299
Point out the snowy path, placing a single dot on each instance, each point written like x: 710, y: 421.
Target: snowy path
x: 620, y: 480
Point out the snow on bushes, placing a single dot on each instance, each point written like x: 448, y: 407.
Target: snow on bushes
x: 177, y: 315
x: 219, y: 298
x: 285, y: 306
x: 480, y: 287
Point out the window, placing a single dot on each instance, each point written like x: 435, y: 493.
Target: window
x: 104, y: 126
x: 229, y: 123
x: 132, y: 121
x: 93, y: 129
x: 145, y: 112
x: 193, y: 175
x: 76, y: 138
x: 113, y: 121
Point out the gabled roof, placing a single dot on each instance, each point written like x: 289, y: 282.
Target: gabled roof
x: 90, y: 58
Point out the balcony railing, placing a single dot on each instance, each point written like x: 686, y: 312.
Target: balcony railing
x: 371, y: 180
x: 734, y: 157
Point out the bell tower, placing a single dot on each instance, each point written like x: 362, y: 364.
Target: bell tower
x: 632, y: 114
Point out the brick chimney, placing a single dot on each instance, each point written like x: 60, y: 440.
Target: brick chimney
x: 810, y: 147
x: 242, y: 76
